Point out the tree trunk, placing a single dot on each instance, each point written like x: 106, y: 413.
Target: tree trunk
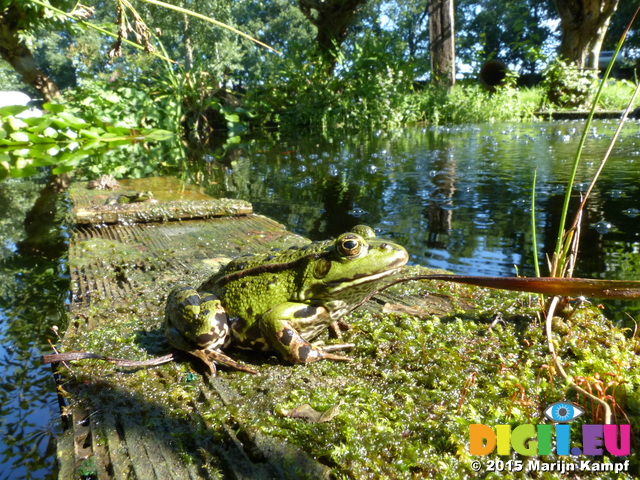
x: 584, y: 24
x: 188, y: 45
x: 18, y: 55
x: 332, y: 19
x: 442, y: 42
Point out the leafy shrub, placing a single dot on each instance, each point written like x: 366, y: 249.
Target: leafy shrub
x: 475, y: 104
x: 125, y: 105
x: 566, y: 85
x: 616, y: 94
x: 369, y: 91
x: 67, y: 133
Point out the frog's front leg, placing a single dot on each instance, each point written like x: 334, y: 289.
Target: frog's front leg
x: 277, y: 327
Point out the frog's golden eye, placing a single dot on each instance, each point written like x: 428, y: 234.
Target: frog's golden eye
x: 350, y: 245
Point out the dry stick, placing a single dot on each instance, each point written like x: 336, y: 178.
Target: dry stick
x: 573, y: 250
x: 70, y: 356
x: 556, y: 361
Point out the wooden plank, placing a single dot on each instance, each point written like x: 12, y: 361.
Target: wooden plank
x: 578, y: 114
x: 163, y: 423
x: 159, y: 212
x: 169, y: 201
x: 116, y: 446
x: 120, y: 276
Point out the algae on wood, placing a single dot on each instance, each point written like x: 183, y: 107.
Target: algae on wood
x: 153, y: 423
x: 170, y: 201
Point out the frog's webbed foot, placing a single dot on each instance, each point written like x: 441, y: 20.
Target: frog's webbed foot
x: 290, y: 344
x: 325, y: 352
x: 336, y: 328
x: 228, y: 362
x: 336, y: 347
x: 208, y: 357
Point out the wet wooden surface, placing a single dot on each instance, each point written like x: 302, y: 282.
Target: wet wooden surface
x: 163, y: 422
x: 170, y: 201
x: 579, y: 114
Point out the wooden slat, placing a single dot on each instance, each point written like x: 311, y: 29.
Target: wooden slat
x: 171, y: 201
x: 129, y: 268
x: 135, y: 424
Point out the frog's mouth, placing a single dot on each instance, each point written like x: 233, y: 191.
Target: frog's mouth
x: 358, y: 280
x: 356, y: 285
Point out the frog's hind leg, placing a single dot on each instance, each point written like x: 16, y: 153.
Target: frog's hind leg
x: 221, y: 359
x: 285, y: 339
x: 205, y: 329
x: 294, y: 348
x: 194, y: 321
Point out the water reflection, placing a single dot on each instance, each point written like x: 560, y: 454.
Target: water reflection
x: 458, y: 197
x: 34, y: 287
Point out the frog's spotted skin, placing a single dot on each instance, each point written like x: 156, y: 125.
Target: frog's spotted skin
x: 208, y: 321
x: 282, y: 299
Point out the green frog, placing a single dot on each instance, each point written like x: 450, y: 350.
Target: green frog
x: 282, y: 299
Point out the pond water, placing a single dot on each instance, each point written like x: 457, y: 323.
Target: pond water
x: 459, y: 198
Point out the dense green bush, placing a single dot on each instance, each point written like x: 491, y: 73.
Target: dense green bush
x: 568, y: 86
x: 475, y: 104
x: 125, y: 105
x: 367, y: 92
x: 616, y: 95
x: 66, y: 133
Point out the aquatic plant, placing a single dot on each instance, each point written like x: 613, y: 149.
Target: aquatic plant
x: 63, y: 135
x: 566, y: 250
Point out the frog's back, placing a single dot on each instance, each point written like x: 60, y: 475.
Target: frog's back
x: 248, y: 266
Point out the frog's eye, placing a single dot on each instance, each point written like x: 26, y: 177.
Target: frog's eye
x: 350, y: 245
x: 364, y: 231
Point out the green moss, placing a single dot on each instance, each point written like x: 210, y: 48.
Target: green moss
x: 406, y: 400
x: 417, y: 383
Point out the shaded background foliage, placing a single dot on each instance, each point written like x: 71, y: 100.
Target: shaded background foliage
x: 385, y: 46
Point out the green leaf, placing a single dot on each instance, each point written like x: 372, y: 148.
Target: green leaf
x: 33, y: 138
x: 62, y: 169
x: 50, y: 132
x: 12, y: 110
x: 89, y: 133
x: 246, y: 112
x: 38, y: 124
x: 73, y: 121
x: 119, y: 131
x: 16, y: 123
x: 70, y: 134
x: 21, y: 137
x: 158, y: 134
x: 54, y: 107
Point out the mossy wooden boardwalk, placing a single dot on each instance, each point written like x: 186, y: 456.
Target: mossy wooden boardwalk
x: 164, y: 422
x: 430, y: 359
